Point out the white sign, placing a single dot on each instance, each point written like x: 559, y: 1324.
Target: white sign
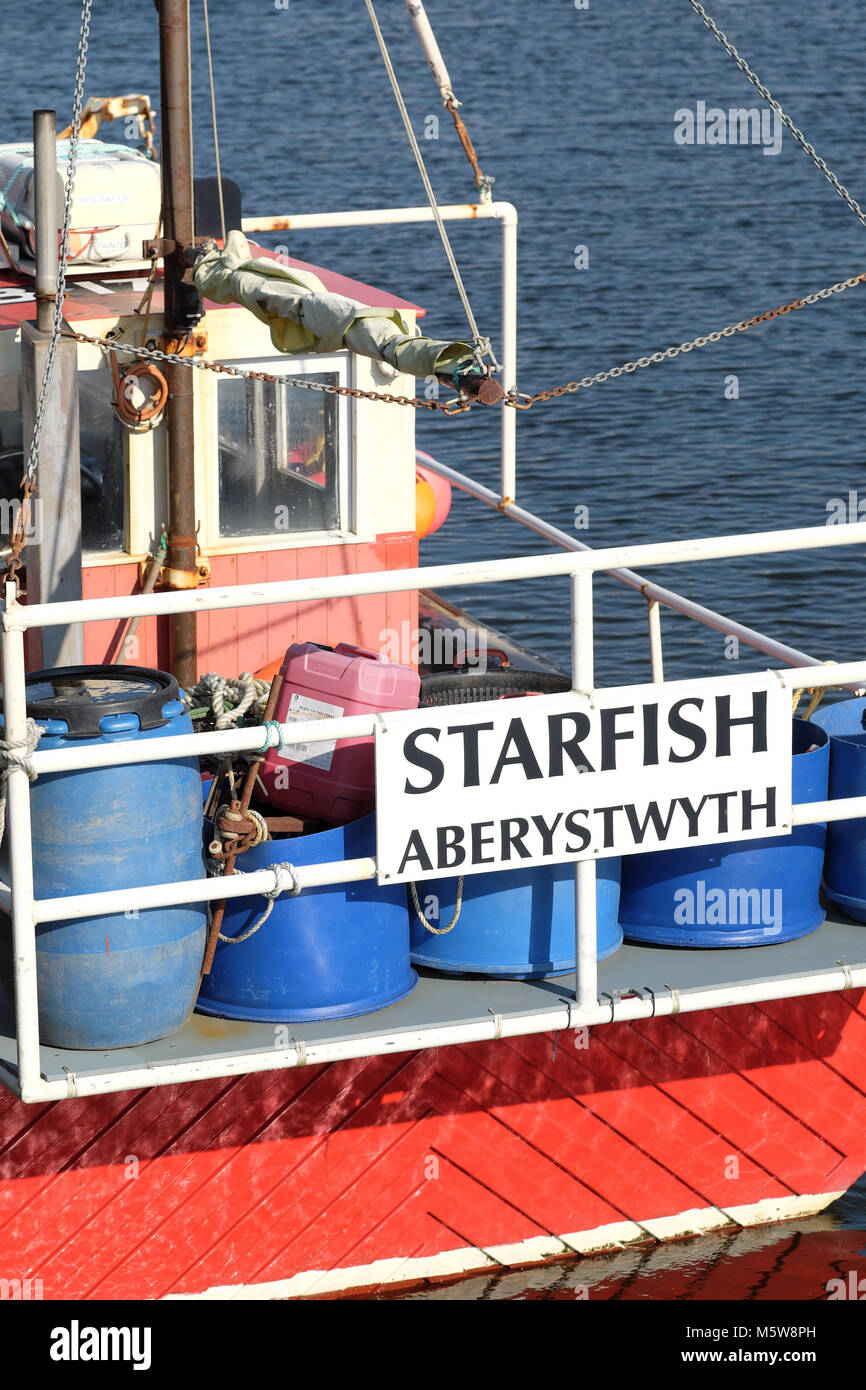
x: 546, y: 779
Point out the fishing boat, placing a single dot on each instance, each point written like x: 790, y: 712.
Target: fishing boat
x: 455, y: 1065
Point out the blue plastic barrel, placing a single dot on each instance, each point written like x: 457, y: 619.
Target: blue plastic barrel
x: 117, y: 980
x: 845, y: 861
x: 331, y: 952
x: 743, y: 893
x: 516, y: 922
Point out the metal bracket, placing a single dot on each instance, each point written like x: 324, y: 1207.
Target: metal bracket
x: 187, y: 346
x: 158, y: 246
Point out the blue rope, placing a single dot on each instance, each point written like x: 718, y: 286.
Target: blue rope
x: 272, y: 727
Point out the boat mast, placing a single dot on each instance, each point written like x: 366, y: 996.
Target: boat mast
x: 182, y: 312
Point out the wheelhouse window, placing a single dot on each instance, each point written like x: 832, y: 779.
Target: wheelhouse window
x: 103, y: 465
x: 282, y: 456
x: 11, y: 456
x: 103, y: 462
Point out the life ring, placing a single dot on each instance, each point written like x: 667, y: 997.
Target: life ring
x: 440, y: 502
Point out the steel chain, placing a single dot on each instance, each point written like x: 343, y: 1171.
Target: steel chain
x: 516, y: 399
x: 28, y: 482
x: 521, y: 402
x: 786, y: 119
x: 203, y: 364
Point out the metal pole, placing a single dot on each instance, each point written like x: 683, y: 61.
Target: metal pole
x: 585, y: 915
x: 432, y: 53
x: 53, y: 549
x: 45, y: 203
x: 20, y: 859
x: 508, y: 472
x: 177, y: 221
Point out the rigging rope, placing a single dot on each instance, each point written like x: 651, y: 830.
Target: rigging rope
x: 482, y: 345
x: 216, y: 143
x: 786, y: 120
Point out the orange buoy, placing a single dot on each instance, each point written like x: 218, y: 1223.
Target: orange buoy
x: 425, y: 507
x: 441, y: 492
x: 267, y: 673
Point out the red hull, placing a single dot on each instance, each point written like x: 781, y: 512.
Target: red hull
x: 246, y: 1181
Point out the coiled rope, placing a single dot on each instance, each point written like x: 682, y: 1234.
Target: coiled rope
x: 228, y: 698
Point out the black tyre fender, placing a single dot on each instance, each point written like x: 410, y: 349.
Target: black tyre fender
x: 472, y: 687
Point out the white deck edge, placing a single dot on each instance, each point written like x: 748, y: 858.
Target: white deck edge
x: 535, y: 1250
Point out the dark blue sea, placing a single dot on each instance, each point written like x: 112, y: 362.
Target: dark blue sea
x: 573, y: 111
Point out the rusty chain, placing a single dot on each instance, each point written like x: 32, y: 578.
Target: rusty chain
x: 521, y: 402
x: 204, y: 364
x: 515, y: 399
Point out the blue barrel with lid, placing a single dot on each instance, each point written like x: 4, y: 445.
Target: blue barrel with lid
x: 125, y: 978
x: 845, y: 860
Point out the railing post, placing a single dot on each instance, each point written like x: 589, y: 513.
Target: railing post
x: 508, y: 466
x: 20, y: 856
x: 655, y: 640
x: 585, y: 917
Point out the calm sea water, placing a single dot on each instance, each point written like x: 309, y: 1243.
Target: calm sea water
x: 573, y: 112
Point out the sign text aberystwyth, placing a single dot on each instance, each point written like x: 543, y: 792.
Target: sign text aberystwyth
x: 547, y: 779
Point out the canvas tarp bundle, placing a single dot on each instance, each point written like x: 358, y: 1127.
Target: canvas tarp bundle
x: 304, y: 317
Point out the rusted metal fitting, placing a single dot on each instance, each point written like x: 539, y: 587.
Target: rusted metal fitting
x: 187, y: 346
x: 158, y: 246
x: 473, y: 386
x: 179, y: 579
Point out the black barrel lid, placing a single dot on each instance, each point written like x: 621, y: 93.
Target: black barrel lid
x: 83, y: 695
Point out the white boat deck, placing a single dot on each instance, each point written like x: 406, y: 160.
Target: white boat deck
x: 512, y: 1007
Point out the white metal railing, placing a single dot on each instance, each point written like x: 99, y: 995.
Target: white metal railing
x: 655, y: 594
x: 506, y: 214
x: 580, y: 566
